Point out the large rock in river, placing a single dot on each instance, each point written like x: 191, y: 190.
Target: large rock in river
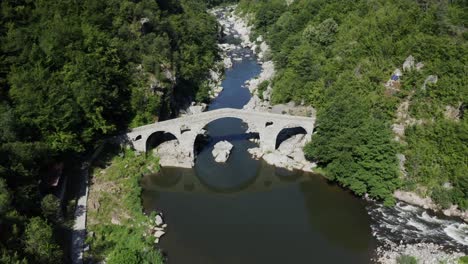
x: 221, y: 151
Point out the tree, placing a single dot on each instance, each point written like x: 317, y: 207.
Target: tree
x: 4, y: 197
x: 50, y: 206
x: 323, y: 34
x: 39, y: 242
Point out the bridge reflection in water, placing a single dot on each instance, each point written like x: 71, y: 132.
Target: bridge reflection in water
x: 180, y: 180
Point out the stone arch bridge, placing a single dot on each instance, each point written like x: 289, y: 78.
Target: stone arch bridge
x: 186, y: 129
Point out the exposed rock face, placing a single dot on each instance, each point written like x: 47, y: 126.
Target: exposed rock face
x: 221, y: 151
x: 292, y: 109
x: 255, y: 103
x: 427, y: 203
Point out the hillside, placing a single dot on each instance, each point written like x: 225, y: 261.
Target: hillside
x: 339, y: 56
x: 73, y: 73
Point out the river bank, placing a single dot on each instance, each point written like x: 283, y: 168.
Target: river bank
x: 117, y: 230
x: 289, y: 154
x: 389, y: 251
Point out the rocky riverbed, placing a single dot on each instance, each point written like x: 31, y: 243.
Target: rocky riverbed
x: 422, y: 252
x: 290, y: 153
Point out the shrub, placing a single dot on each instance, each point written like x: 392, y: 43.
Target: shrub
x: 463, y: 260
x: 441, y: 197
x: 405, y: 259
x: 261, y: 88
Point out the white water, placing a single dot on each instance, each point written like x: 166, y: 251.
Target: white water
x: 409, y: 224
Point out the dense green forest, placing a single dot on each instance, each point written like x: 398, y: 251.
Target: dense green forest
x: 337, y: 55
x: 74, y: 72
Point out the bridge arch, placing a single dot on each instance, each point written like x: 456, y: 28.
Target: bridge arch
x: 245, y: 131
x: 157, y: 138
x: 288, y: 132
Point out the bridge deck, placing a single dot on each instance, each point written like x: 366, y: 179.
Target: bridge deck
x: 222, y: 113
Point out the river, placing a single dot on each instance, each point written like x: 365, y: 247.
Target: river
x: 246, y: 211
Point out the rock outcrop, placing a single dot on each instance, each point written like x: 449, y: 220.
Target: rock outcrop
x: 289, y: 155
x: 427, y: 253
x: 221, y: 151
x: 170, y: 155
x: 157, y: 229
x: 194, y: 109
x: 427, y: 203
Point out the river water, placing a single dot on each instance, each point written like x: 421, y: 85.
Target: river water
x: 246, y: 211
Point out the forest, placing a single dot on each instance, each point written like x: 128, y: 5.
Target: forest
x: 337, y: 56
x: 73, y: 73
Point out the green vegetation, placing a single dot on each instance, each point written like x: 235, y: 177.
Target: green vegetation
x: 437, y: 154
x: 73, y: 73
x: 463, y: 260
x: 38, y: 235
x: 115, y: 215
x: 336, y: 55
x: 262, y: 87
x: 405, y: 259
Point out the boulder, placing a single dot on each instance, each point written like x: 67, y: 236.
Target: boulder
x: 221, y: 151
x: 158, y: 220
x: 419, y: 66
x: 158, y: 234
x: 397, y: 73
x: 115, y: 220
x: 227, y: 63
x: 196, y: 109
x: 255, y: 152
x: 408, y: 65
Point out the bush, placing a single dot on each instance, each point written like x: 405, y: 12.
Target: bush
x: 463, y: 260
x: 261, y: 88
x: 441, y: 197
x: 405, y: 259
x: 124, y: 256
